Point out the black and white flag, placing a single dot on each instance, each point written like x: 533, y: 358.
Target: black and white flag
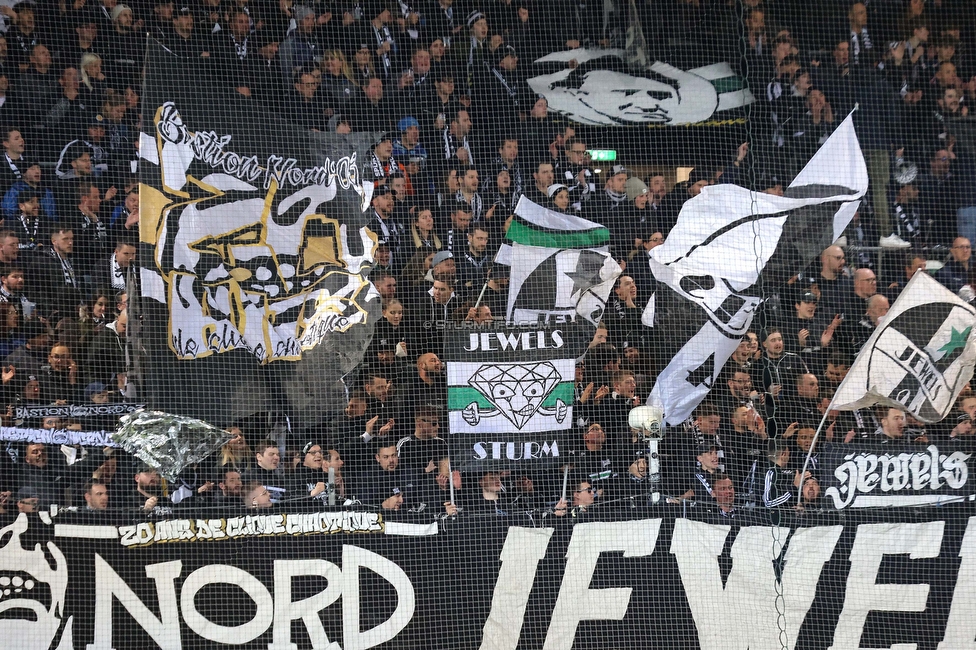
x: 919, y: 358
x: 255, y: 251
x: 729, y: 247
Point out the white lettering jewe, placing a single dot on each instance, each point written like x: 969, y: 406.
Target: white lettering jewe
x: 960, y: 632
x: 494, y: 341
x: 861, y: 473
x: 277, y: 612
x: 863, y: 595
x: 722, y: 621
x: 524, y: 548
x: 576, y: 601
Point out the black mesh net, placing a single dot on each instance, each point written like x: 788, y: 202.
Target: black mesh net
x: 498, y: 324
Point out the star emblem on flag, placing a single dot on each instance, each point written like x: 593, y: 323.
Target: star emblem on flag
x: 957, y: 340
x: 587, y: 271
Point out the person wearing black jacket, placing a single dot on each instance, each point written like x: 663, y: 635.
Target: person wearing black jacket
x: 56, y: 283
x: 623, y: 314
x: 146, y: 492
x: 474, y: 264
x: 28, y: 227
x: 125, y: 46
x: 59, y: 377
x: 385, y: 483
x: 374, y: 31
x: 233, y: 52
x: 267, y: 471
x: 42, y: 473
x: 91, y: 234
x: 500, y: 92
x: 611, y: 205
x: 182, y: 39
x: 780, y: 483
x: 303, y: 107
x: 425, y: 455
x: 13, y: 166
x: 371, y: 109
x: 106, y: 352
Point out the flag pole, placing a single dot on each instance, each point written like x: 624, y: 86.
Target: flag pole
x: 816, y: 434
x: 813, y: 445
x: 482, y: 294
x: 450, y: 479
x: 565, y: 480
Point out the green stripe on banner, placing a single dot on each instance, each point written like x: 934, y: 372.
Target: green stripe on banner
x: 526, y: 235
x: 727, y: 84
x: 458, y: 397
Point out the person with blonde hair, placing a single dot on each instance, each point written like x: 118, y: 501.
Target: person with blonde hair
x: 92, y: 76
x: 422, y: 231
x: 338, y: 85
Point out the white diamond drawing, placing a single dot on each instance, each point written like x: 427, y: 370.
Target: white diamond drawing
x: 516, y: 390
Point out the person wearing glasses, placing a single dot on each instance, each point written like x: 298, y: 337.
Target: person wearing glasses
x: 59, y: 377
x: 28, y: 499
x: 256, y: 496
x: 308, y: 476
x: 577, y: 173
x: 955, y: 274
x: 584, y: 494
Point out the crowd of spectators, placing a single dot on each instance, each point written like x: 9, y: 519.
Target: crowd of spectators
x: 465, y: 138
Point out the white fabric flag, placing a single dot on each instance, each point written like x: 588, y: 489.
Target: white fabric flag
x: 728, y: 248
x: 920, y: 356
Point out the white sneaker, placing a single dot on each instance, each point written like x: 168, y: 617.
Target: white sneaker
x: 894, y: 241
x: 841, y: 241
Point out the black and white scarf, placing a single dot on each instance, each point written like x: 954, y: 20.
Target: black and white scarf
x: 476, y: 204
x: 392, y: 231
x: 512, y: 92
x: 118, y: 275
x: 66, y: 269
x: 452, y: 144
x: 13, y: 167
x: 383, y: 35
x: 240, y: 48
x: 100, y: 233
x: 476, y: 262
x: 31, y: 231
x: 381, y: 169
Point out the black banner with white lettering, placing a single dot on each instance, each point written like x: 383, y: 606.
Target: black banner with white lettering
x: 871, y: 476
x: 254, y: 254
x: 594, y: 580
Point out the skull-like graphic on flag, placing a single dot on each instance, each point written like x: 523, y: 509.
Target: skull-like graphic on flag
x: 516, y: 392
x: 251, y: 254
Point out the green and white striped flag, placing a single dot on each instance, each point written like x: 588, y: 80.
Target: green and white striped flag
x: 510, y: 387
x: 560, y: 264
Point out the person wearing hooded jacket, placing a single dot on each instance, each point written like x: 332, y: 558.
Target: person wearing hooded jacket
x: 611, y: 204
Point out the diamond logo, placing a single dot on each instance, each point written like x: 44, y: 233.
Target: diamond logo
x: 517, y: 391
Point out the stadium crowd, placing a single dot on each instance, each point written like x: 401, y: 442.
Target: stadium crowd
x: 466, y: 137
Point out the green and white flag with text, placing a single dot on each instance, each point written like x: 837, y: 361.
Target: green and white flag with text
x: 510, y: 393
x: 919, y: 358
